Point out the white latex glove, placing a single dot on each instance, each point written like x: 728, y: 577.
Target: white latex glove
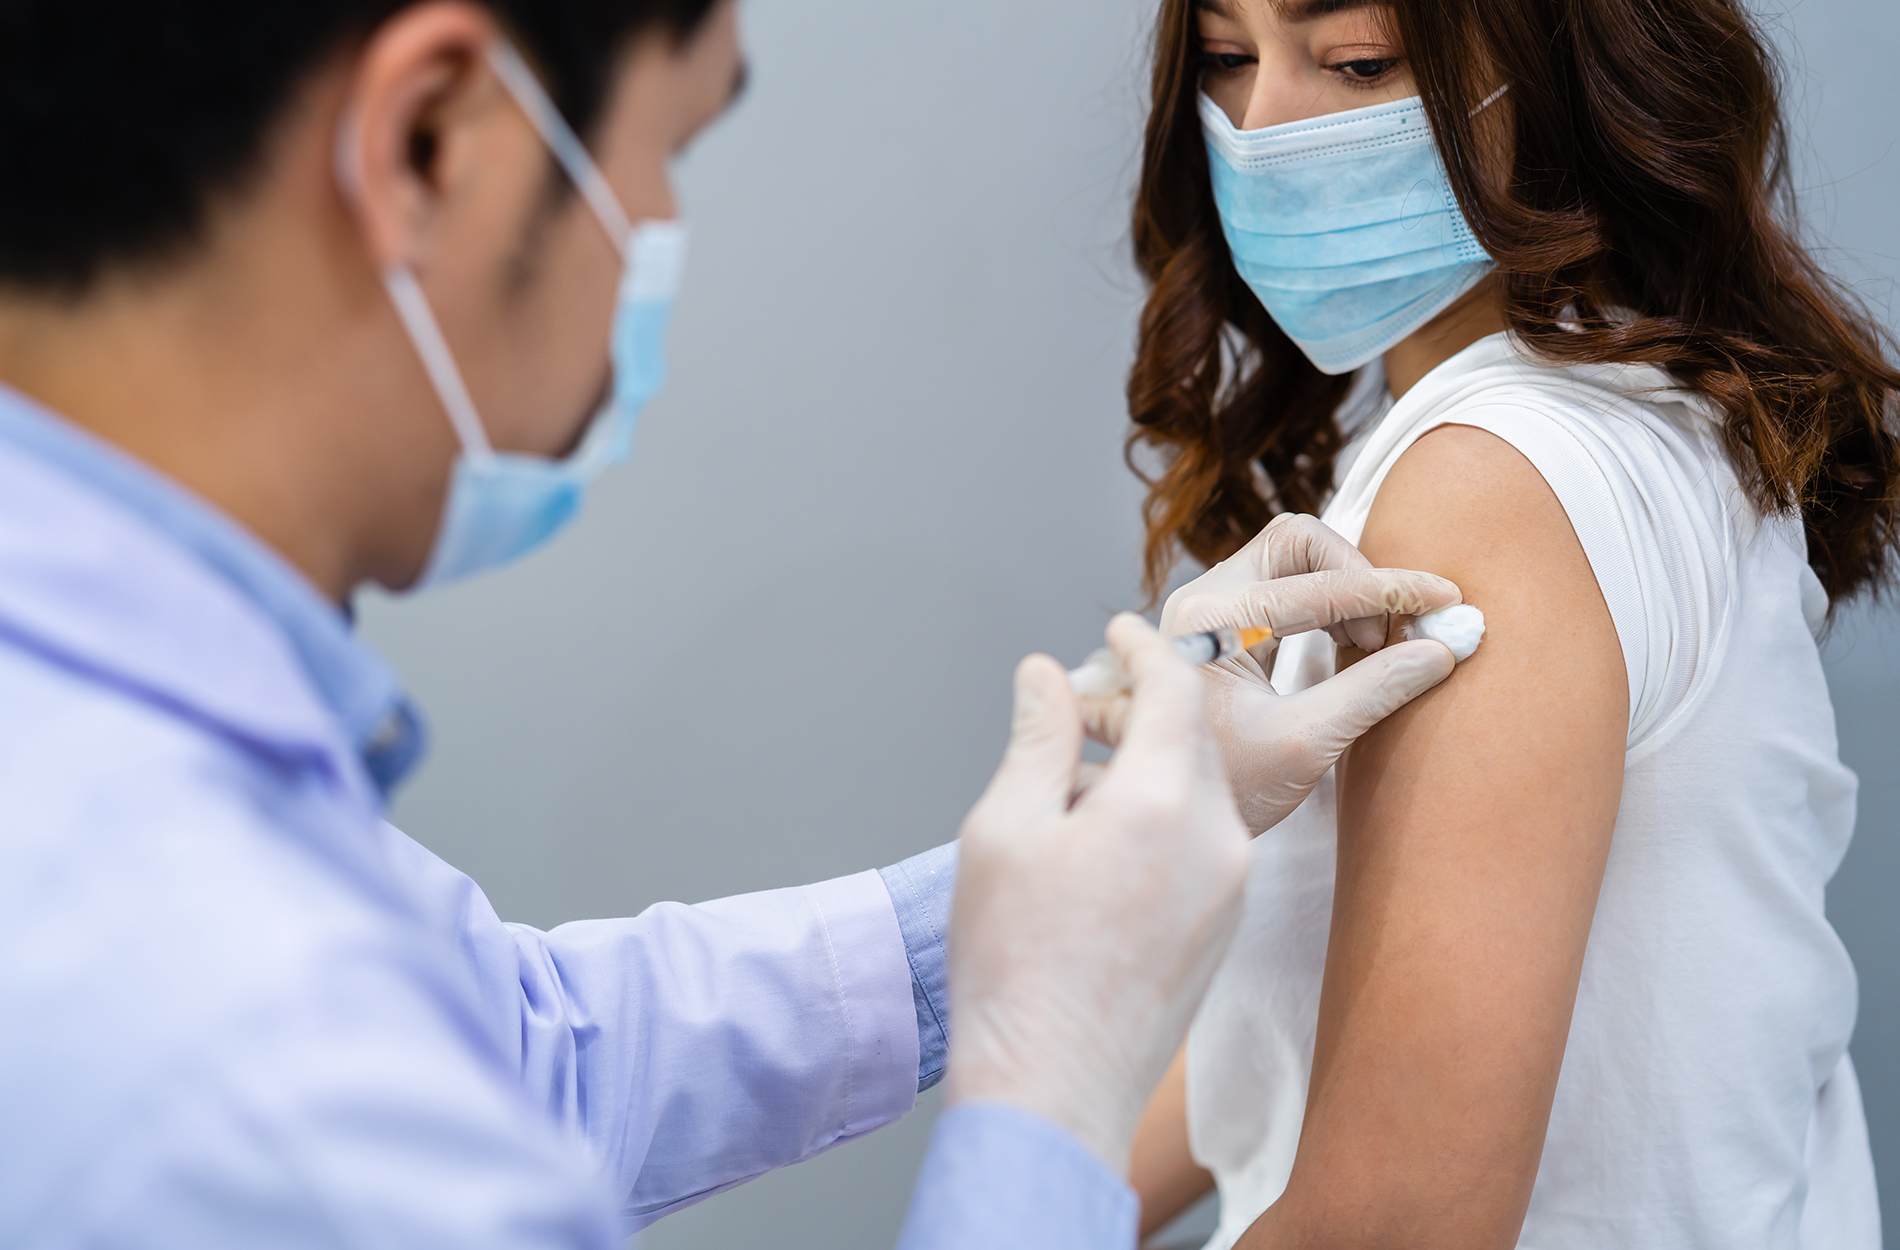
x: 1088, y: 920
x: 1298, y: 575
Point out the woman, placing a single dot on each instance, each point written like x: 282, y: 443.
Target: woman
x: 1548, y: 965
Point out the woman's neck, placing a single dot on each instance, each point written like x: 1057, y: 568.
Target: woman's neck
x: 1479, y: 312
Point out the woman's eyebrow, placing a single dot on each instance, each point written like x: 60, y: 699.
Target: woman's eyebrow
x: 1308, y: 10
x: 1290, y: 10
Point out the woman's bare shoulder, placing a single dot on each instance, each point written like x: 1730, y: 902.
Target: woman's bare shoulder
x: 1465, y: 504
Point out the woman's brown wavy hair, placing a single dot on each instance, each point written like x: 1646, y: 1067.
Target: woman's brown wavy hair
x: 1648, y: 173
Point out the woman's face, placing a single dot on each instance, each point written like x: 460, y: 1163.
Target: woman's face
x: 1266, y: 62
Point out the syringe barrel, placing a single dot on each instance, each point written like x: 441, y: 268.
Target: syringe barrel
x: 1215, y: 644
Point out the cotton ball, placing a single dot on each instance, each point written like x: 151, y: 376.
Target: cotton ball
x: 1459, y: 628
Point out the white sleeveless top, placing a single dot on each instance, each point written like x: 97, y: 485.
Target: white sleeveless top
x: 1706, y: 1098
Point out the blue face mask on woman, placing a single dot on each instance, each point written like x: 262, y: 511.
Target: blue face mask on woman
x: 1343, y: 225
x: 502, y: 504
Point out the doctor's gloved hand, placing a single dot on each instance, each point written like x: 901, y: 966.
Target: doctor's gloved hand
x: 1092, y: 908
x: 1298, y: 575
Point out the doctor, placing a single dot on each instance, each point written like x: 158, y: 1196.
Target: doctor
x: 293, y: 298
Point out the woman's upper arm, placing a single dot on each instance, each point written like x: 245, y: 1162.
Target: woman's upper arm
x: 1473, y: 830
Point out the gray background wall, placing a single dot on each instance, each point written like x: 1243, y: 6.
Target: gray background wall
x: 890, y: 462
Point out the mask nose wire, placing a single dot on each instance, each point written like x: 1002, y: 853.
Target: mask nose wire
x: 567, y: 147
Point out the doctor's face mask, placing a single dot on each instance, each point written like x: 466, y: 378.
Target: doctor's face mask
x: 502, y: 505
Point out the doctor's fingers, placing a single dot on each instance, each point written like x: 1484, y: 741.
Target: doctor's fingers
x: 1086, y: 778
x: 1166, y: 751
x: 1037, y: 777
x: 1292, y: 544
x: 1319, y: 723
x: 1278, y: 749
x: 1103, y: 716
x: 1308, y: 601
x: 1254, y: 562
x: 1296, y: 544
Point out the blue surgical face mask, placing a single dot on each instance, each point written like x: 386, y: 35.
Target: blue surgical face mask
x: 1343, y: 225
x: 502, y: 504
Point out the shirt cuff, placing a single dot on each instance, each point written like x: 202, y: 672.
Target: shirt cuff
x: 999, y: 1178
x: 920, y: 889
x: 857, y: 928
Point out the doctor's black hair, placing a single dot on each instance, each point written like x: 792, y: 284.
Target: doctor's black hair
x: 120, y: 120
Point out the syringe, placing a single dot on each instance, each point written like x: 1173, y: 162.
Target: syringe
x: 1102, y: 675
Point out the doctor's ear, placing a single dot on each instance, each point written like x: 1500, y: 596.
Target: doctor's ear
x: 426, y: 129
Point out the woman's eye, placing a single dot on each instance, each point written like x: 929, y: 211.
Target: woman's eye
x: 1365, y: 70
x: 1224, y: 62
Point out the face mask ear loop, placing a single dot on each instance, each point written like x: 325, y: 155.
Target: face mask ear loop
x: 567, y: 147
x: 419, y: 319
x: 412, y: 307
